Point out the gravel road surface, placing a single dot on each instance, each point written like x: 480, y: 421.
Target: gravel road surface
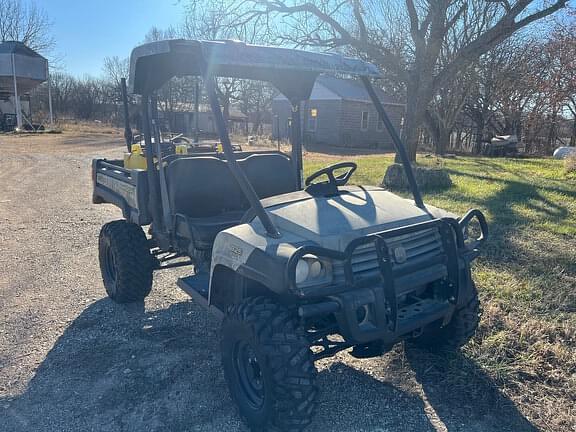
x: 71, y: 360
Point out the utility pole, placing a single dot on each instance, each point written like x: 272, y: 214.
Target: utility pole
x: 196, y: 109
x: 16, y: 97
x: 49, y: 94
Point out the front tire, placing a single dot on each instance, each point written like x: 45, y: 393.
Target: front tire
x: 125, y: 261
x: 268, y: 366
x: 457, y: 332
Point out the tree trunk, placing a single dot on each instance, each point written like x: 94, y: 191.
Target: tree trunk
x: 573, y: 135
x: 443, y: 140
x: 552, y: 132
x: 519, y: 128
x: 508, y: 124
x: 412, y: 121
x: 257, y: 123
x: 226, y: 110
x: 439, y: 132
x: 479, y: 137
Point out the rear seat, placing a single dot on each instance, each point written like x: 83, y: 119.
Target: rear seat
x: 203, y: 191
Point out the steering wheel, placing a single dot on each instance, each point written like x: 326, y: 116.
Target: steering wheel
x: 333, y: 180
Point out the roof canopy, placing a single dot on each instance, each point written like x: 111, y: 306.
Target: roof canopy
x: 293, y: 72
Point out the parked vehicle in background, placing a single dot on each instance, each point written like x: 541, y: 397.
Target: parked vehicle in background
x: 501, y: 145
x: 564, y: 152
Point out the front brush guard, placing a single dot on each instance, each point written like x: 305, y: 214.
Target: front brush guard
x: 379, y: 295
x: 472, y: 249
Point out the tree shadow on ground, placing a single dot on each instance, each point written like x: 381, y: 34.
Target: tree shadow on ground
x: 526, y: 238
x: 118, y: 368
x: 510, y: 226
x: 522, y: 181
x: 347, y: 151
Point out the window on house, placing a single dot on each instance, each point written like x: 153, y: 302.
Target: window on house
x: 312, y: 120
x: 364, y: 123
x: 380, y: 124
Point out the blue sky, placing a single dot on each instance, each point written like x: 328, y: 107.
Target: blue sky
x: 88, y: 31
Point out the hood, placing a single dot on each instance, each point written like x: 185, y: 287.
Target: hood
x: 332, y: 222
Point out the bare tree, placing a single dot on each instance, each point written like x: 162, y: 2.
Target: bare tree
x: 517, y: 89
x: 26, y: 23
x: 88, y: 98
x: 376, y: 30
x: 223, y: 19
x: 116, y: 68
x: 83, y: 98
x: 445, y: 109
x: 176, y: 92
x: 255, y: 100
x: 480, y: 105
x: 560, y: 83
x: 62, y: 86
x: 448, y: 102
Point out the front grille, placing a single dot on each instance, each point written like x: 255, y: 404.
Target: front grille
x: 418, y: 247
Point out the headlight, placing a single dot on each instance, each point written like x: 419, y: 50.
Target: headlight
x: 310, y: 269
x: 302, y: 271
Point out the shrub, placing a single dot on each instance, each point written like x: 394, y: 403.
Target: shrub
x: 427, y: 178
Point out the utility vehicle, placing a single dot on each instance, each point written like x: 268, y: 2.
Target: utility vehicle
x: 298, y: 271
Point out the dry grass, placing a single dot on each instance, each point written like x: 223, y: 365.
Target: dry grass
x: 532, y: 360
x: 570, y: 165
x: 85, y: 126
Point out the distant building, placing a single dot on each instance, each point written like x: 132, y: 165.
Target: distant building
x: 181, y: 120
x: 21, y: 70
x: 339, y: 113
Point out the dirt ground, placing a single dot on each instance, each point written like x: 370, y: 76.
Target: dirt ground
x: 71, y: 360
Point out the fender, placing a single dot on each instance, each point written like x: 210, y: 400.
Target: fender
x: 260, y: 267
x: 252, y: 256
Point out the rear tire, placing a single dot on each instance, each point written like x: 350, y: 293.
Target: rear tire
x: 125, y: 261
x: 268, y: 366
x: 457, y: 332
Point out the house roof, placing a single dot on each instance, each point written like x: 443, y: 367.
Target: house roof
x: 351, y: 89
x: 332, y: 88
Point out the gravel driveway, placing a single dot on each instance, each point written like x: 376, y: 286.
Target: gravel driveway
x: 71, y: 360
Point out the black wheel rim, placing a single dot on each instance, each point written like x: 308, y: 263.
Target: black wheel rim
x: 249, y: 374
x: 109, y: 266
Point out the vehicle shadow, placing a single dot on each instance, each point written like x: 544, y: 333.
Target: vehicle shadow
x: 462, y: 395
x: 118, y: 368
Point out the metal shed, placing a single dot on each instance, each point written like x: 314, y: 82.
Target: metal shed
x: 21, y: 70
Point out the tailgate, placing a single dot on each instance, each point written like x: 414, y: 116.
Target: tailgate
x: 126, y: 189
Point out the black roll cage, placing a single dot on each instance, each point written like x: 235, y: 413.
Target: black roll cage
x: 292, y: 72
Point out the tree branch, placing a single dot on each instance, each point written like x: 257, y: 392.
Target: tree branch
x: 378, y: 53
x: 503, y: 29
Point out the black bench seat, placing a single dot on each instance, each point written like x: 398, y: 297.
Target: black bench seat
x: 203, y: 192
